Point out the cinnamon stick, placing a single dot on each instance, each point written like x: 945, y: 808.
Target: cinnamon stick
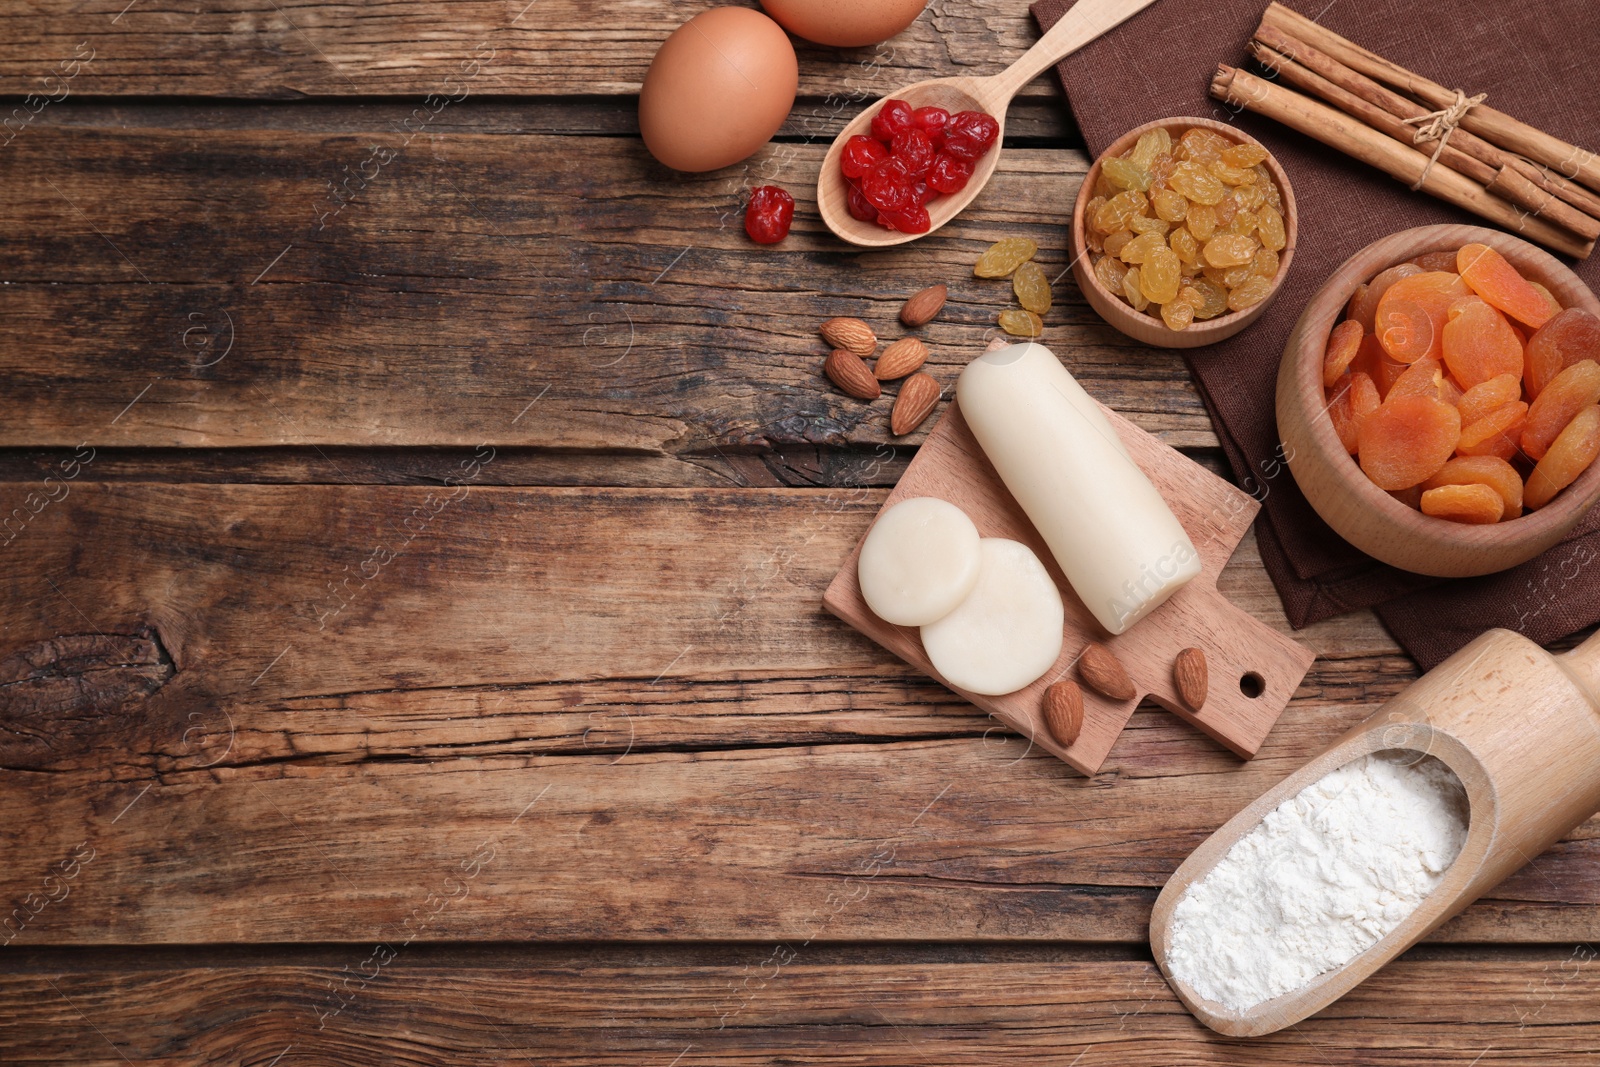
x: 1489, y: 167
x: 1354, y: 138
x: 1492, y: 125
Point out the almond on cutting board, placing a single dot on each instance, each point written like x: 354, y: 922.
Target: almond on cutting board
x: 1189, y: 674
x: 1063, y: 711
x: 900, y: 359
x: 1103, y: 672
x: 847, y: 370
x: 921, y: 308
x: 918, y: 397
x: 852, y: 335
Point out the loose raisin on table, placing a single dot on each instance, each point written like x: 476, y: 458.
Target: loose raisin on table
x: 1004, y: 256
x: 1020, y: 323
x: 1032, y: 288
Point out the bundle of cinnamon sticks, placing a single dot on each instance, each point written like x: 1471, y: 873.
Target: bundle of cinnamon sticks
x: 1468, y: 153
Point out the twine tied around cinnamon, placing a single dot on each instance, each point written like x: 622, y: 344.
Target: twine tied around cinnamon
x: 1440, y: 125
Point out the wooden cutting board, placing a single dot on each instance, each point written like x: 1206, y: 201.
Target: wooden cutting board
x: 1253, y: 669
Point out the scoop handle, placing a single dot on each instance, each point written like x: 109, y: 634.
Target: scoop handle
x: 1583, y: 663
x: 1086, y: 20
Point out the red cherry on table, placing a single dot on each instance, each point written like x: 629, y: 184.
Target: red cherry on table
x: 769, y: 214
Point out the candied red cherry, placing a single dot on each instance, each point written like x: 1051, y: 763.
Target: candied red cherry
x: 892, y: 118
x: 931, y: 121
x: 860, y: 155
x: 914, y: 150
x: 886, y: 190
x: 860, y: 207
x: 921, y: 193
x: 970, y: 135
x: 913, y: 218
x: 769, y: 214
x: 949, y: 174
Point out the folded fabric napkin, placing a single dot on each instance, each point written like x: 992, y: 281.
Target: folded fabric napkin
x: 1535, y: 62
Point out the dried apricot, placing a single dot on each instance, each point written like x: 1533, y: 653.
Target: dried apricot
x: 1484, y: 397
x: 1363, y: 306
x: 1567, y: 394
x: 1569, y: 456
x: 1005, y: 256
x: 1341, y: 411
x: 1032, y: 288
x: 1492, y: 471
x: 1479, y: 343
x: 1445, y: 261
x: 1378, y: 364
x: 1569, y: 337
x: 1481, y: 436
x: 1407, y: 440
x: 1020, y: 323
x: 1364, y: 398
x: 1433, y: 291
x: 1425, y: 377
x: 1550, y: 298
x: 1472, y: 503
x: 1343, y: 344
x: 1491, y: 276
x: 1405, y: 329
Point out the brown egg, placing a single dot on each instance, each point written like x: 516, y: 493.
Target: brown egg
x: 718, y: 89
x: 845, y: 23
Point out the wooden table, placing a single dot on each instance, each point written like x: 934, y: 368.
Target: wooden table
x: 418, y: 507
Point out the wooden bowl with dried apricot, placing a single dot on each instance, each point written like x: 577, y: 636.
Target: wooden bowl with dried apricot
x: 1439, y: 400
x: 1182, y: 232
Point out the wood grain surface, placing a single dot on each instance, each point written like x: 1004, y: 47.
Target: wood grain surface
x: 414, y: 510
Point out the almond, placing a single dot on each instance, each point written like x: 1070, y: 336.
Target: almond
x: 921, y: 309
x: 848, y: 372
x: 918, y: 397
x: 1103, y: 672
x: 852, y: 335
x: 1063, y: 711
x: 900, y: 359
x: 1189, y: 672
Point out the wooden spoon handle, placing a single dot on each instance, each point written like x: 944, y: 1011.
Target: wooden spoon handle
x: 1086, y: 20
x: 1583, y: 662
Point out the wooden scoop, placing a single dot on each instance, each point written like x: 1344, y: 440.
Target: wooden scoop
x: 1086, y: 20
x: 1520, y: 728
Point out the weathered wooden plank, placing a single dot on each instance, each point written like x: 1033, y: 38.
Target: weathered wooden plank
x: 266, y: 48
x: 1035, y: 122
x: 763, y: 1004
x: 247, y: 288
x: 570, y: 649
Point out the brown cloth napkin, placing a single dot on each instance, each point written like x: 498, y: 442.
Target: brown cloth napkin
x: 1535, y: 61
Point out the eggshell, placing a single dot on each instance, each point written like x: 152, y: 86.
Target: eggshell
x: 718, y: 89
x: 845, y: 23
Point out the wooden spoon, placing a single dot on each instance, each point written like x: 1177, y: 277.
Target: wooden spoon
x: 1086, y: 20
x: 1521, y: 730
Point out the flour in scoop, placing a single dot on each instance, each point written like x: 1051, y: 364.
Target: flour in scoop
x: 1323, y: 877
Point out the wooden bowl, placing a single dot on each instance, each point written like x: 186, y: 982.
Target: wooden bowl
x: 1148, y: 328
x: 1334, y: 483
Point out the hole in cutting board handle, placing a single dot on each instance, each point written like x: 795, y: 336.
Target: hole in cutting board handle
x: 1252, y: 685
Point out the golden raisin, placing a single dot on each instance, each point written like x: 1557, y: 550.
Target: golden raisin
x: 1020, y: 323
x: 1253, y: 290
x: 1177, y: 314
x: 1032, y: 288
x: 1005, y: 256
x: 1160, y: 276
x: 1229, y: 250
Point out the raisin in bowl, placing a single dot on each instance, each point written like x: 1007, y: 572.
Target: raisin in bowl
x: 1183, y: 232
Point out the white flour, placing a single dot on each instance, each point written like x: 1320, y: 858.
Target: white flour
x: 1321, y: 879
